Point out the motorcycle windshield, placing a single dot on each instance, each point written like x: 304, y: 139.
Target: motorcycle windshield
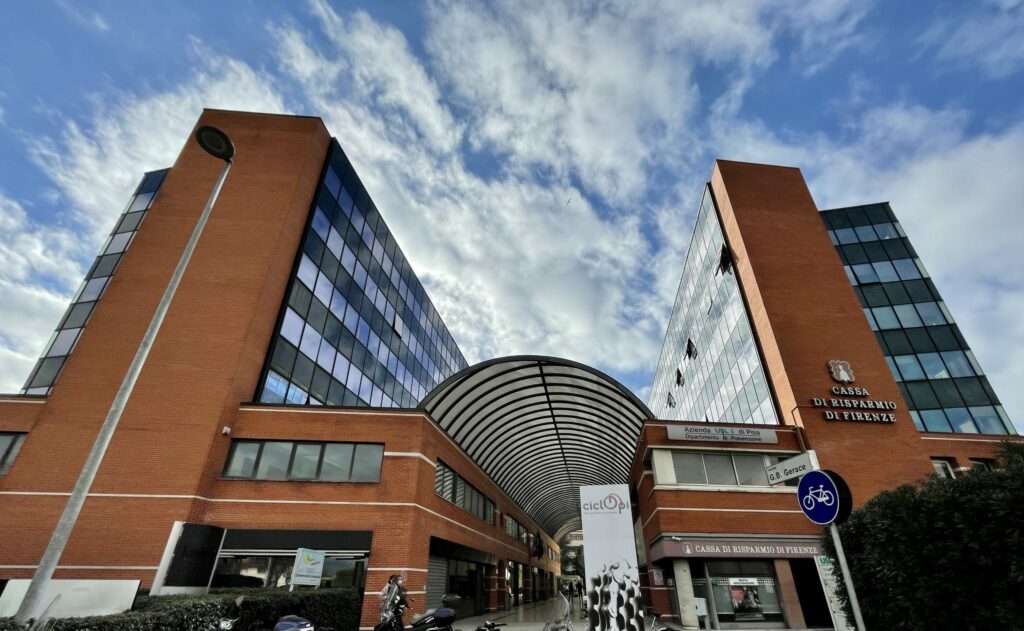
x: 389, y: 600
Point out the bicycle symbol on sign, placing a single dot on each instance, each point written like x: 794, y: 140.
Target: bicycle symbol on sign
x: 817, y: 495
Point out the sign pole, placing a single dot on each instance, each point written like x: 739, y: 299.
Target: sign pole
x: 854, y: 603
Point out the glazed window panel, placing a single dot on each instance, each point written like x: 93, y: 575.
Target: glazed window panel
x: 93, y: 289
x: 118, y: 243
x: 987, y: 419
x: 304, y: 461
x: 337, y: 462
x: 242, y: 461
x: 689, y: 468
x: 935, y: 421
x: 366, y: 463
x: 453, y: 488
x: 273, y: 462
x: 10, y: 445
x: 750, y: 470
x: 720, y: 469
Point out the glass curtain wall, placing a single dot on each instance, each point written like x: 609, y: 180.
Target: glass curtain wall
x: 709, y: 369
x: 64, y: 339
x: 940, y: 378
x: 357, y: 327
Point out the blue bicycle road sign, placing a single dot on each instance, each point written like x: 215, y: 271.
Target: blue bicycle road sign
x: 818, y: 495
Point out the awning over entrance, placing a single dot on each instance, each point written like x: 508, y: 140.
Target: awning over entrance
x: 541, y: 427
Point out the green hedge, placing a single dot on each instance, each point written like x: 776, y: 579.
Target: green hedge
x: 335, y: 608
x: 943, y: 554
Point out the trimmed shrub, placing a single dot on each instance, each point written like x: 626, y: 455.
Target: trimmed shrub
x: 326, y: 608
x: 942, y: 554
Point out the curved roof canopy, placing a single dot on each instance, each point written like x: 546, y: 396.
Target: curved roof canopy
x: 541, y: 427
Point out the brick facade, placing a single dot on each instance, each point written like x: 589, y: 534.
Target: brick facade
x: 804, y: 313
x: 166, y: 459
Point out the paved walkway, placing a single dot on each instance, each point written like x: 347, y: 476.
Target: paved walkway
x: 528, y: 617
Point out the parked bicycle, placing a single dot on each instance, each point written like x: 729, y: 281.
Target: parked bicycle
x: 654, y: 617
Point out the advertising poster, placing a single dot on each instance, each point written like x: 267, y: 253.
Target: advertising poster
x: 746, y: 599
x: 609, y: 551
x: 308, y: 568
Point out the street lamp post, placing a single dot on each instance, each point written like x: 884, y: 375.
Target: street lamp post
x: 217, y: 144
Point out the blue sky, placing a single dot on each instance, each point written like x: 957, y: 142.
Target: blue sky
x: 539, y: 162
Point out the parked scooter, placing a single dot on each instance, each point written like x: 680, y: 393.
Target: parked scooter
x: 227, y: 623
x: 489, y: 625
x: 293, y: 623
x: 440, y: 619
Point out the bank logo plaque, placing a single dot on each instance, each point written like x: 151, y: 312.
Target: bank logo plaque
x: 841, y: 371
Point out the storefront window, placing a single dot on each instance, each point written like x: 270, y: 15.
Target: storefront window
x: 273, y: 571
x: 746, y: 599
x: 744, y: 592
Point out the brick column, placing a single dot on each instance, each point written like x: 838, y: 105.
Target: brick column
x: 527, y: 584
x: 494, y: 599
x: 788, y: 595
x: 401, y: 547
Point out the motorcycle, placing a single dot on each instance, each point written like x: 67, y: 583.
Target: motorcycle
x: 440, y: 619
x: 293, y: 623
x: 489, y: 625
x: 227, y: 623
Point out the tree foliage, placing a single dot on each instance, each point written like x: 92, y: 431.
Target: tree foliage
x: 941, y: 554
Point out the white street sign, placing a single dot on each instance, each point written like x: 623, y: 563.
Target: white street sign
x: 793, y: 467
x: 709, y: 432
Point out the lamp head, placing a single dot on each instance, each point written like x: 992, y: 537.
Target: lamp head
x: 215, y: 142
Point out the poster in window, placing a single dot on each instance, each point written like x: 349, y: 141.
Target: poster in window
x: 745, y: 599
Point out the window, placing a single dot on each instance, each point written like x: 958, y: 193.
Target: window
x: 943, y: 468
x: 306, y: 461
x: 670, y: 400
x: 679, y: 378
x: 978, y: 464
x: 724, y: 260
x: 691, y: 349
x: 10, y: 445
x: 514, y: 529
x: 722, y: 469
x: 452, y: 487
x: 909, y: 367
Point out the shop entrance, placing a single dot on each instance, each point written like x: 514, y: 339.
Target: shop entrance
x: 458, y: 569
x: 741, y: 594
x: 812, y: 595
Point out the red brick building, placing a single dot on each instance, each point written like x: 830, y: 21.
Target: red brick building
x: 709, y: 522
x: 168, y: 461
x: 302, y: 392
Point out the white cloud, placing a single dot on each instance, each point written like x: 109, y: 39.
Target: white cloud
x: 37, y: 277
x: 94, y: 21
x: 511, y: 265
x: 95, y: 166
x: 472, y: 152
x: 992, y: 38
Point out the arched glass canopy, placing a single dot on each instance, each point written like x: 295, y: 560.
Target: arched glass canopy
x: 541, y: 427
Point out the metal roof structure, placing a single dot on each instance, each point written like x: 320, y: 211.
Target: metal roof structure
x: 541, y: 427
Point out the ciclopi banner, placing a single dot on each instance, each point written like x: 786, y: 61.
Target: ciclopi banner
x: 609, y: 552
